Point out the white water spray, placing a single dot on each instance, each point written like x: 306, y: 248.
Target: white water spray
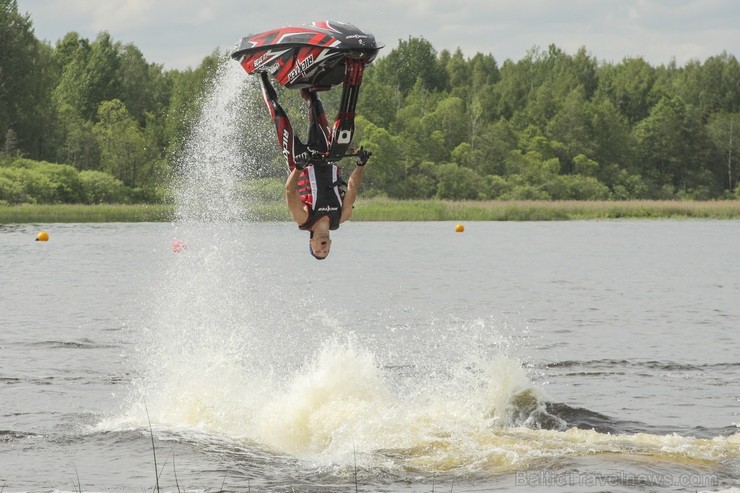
x: 218, y: 359
x: 225, y: 146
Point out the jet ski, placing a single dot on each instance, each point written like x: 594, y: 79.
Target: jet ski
x: 311, y: 55
x: 318, y: 56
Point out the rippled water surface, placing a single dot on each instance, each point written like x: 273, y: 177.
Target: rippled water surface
x: 562, y: 356
x: 577, y: 356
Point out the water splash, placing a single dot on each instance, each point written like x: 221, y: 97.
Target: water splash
x: 210, y: 360
x: 225, y: 146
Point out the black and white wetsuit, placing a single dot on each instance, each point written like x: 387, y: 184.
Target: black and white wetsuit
x: 322, y: 190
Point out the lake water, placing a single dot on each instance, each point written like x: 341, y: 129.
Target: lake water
x: 576, y: 356
x: 562, y: 356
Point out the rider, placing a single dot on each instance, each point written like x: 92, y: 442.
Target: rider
x: 315, y: 192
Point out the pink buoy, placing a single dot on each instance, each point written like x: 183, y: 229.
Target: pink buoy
x: 179, y: 246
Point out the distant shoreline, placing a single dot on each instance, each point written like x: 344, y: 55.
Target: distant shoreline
x: 381, y: 209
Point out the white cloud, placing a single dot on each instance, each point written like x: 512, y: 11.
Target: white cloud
x: 181, y: 33
x: 123, y: 14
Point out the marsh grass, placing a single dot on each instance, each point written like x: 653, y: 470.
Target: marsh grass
x: 430, y: 210
x: 382, y: 209
x: 78, y: 213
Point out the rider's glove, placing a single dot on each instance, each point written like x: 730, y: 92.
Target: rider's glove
x: 362, y: 156
x: 302, y: 160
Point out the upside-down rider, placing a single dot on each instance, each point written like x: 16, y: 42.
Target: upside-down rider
x: 315, y: 192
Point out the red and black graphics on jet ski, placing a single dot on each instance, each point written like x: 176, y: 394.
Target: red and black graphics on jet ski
x: 311, y: 55
x: 315, y: 56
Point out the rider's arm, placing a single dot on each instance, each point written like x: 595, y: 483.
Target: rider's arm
x: 293, y: 198
x: 353, y: 186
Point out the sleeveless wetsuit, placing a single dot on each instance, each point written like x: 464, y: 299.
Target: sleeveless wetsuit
x: 321, y: 189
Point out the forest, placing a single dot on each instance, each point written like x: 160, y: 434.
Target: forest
x: 92, y: 121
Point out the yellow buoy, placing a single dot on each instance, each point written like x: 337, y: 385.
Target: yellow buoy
x: 42, y: 236
x: 459, y: 228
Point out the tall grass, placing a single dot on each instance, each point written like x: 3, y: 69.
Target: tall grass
x: 383, y: 209
x: 77, y: 213
x: 428, y: 210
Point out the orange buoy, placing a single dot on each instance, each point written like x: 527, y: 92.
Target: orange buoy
x: 459, y: 228
x: 42, y: 236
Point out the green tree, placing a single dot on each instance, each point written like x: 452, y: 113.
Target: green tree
x: 90, y: 75
x: 121, y: 144
x: 29, y: 181
x: 409, y: 121
x: 672, y: 146
x: 413, y: 59
x: 483, y: 103
x: 79, y: 146
x: 386, y: 154
x: 713, y: 86
x: 531, y: 168
x: 71, y: 56
x: 143, y: 86
x: 418, y: 180
x: 576, y: 187
x: 457, y: 183
x: 495, y: 187
x: 40, y: 128
x: 724, y: 132
x: 558, y: 76
x: 458, y: 74
x: 11, y: 143
x: 517, y: 82
x: 494, y: 143
x: 629, y: 86
x: 378, y: 100
x: 15, y: 184
x: 467, y: 156
x: 612, y: 142
x: 484, y: 71
x: 24, y: 81
x: 571, y: 126
x: 98, y: 187
x: 450, y: 118
x: 16, y: 59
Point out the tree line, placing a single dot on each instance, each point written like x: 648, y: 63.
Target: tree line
x: 88, y: 121
x: 92, y: 121
x: 550, y: 126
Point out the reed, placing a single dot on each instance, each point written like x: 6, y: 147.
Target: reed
x: 78, y: 486
x: 433, y: 210
x: 154, y: 449
x: 78, y: 213
x: 383, y: 209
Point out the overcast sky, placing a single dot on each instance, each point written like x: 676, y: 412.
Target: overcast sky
x: 180, y: 33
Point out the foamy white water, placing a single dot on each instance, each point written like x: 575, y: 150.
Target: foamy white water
x: 278, y: 388
x: 222, y: 363
x: 210, y: 361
